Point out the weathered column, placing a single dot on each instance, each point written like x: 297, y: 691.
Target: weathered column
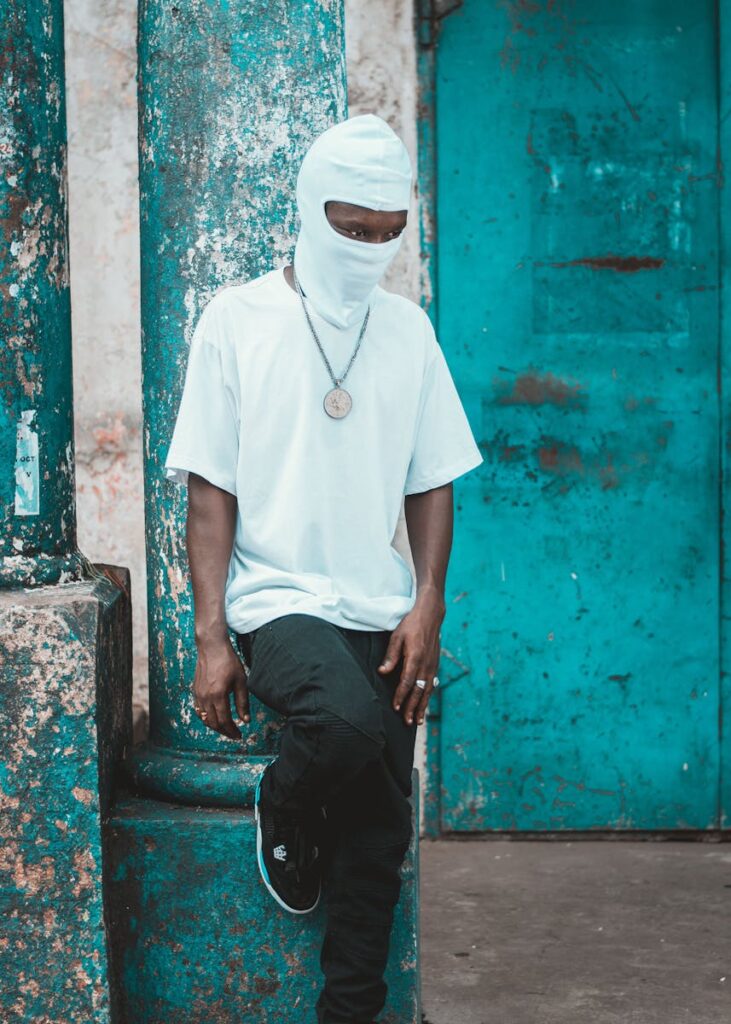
x: 230, y: 96
x: 65, y: 650
x: 37, y: 501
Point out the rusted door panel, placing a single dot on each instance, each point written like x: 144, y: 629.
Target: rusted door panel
x: 577, y: 275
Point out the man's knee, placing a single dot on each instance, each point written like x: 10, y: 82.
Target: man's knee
x: 351, y: 743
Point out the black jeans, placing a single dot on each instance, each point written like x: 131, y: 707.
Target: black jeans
x: 343, y: 747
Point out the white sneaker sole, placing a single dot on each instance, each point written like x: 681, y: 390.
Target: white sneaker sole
x: 262, y: 866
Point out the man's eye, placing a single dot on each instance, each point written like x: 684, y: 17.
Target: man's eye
x: 356, y: 232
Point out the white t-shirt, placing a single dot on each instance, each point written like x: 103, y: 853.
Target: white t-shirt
x: 318, y: 498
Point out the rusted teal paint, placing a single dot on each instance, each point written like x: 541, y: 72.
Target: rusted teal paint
x: 578, y: 203
x: 230, y: 96
x: 65, y: 706
x: 37, y: 499
x: 724, y: 383
x: 196, y: 936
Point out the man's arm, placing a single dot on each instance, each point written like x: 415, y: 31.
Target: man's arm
x: 210, y: 529
x: 429, y: 521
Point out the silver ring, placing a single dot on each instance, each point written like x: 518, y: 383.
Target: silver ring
x: 421, y: 683
x: 436, y: 682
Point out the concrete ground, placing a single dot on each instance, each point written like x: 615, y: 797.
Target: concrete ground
x: 582, y: 932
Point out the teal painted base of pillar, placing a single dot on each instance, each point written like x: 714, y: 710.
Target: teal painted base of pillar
x: 194, y: 777
x: 65, y: 708
x: 39, y: 570
x: 197, y: 938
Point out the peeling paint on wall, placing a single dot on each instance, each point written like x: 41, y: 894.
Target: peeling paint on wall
x: 65, y: 706
x: 578, y: 255
x: 27, y: 499
x: 37, y: 512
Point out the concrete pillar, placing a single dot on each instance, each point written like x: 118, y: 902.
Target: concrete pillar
x: 37, y: 504
x: 65, y: 652
x: 65, y: 707
x: 230, y: 96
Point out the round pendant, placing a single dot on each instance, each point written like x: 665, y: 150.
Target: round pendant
x: 337, y: 403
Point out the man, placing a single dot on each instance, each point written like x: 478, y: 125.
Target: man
x: 314, y: 401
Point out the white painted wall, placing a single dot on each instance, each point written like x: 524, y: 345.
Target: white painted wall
x: 101, y: 99
x: 380, y: 52
x: 104, y: 229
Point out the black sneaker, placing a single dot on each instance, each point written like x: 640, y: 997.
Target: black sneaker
x: 288, y: 855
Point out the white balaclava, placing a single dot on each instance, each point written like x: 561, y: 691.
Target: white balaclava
x: 360, y: 161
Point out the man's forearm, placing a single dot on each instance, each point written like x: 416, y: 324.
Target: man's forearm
x: 429, y: 521
x: 416, y: 639
x: 210, y: 530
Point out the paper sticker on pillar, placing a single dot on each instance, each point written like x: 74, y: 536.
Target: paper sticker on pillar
x: 26, y: 466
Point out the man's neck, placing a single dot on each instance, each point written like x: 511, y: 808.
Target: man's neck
x: 289, y: 276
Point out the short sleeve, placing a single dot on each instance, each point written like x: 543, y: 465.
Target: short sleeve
x: 444, y: 446
x: 205, y: 438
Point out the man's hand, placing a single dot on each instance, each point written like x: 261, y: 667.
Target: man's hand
x: 416, y: 639
x: 210, y: 529
x: 218, y: 674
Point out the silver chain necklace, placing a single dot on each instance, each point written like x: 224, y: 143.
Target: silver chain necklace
x: 337, y: 402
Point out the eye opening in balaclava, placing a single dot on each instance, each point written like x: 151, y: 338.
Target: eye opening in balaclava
x: 359, y: 161
x: 343, y: 233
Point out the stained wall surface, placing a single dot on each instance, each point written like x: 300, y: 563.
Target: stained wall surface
x: 104, y: 246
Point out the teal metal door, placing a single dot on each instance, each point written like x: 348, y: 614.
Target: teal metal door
x: 577, y: 273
